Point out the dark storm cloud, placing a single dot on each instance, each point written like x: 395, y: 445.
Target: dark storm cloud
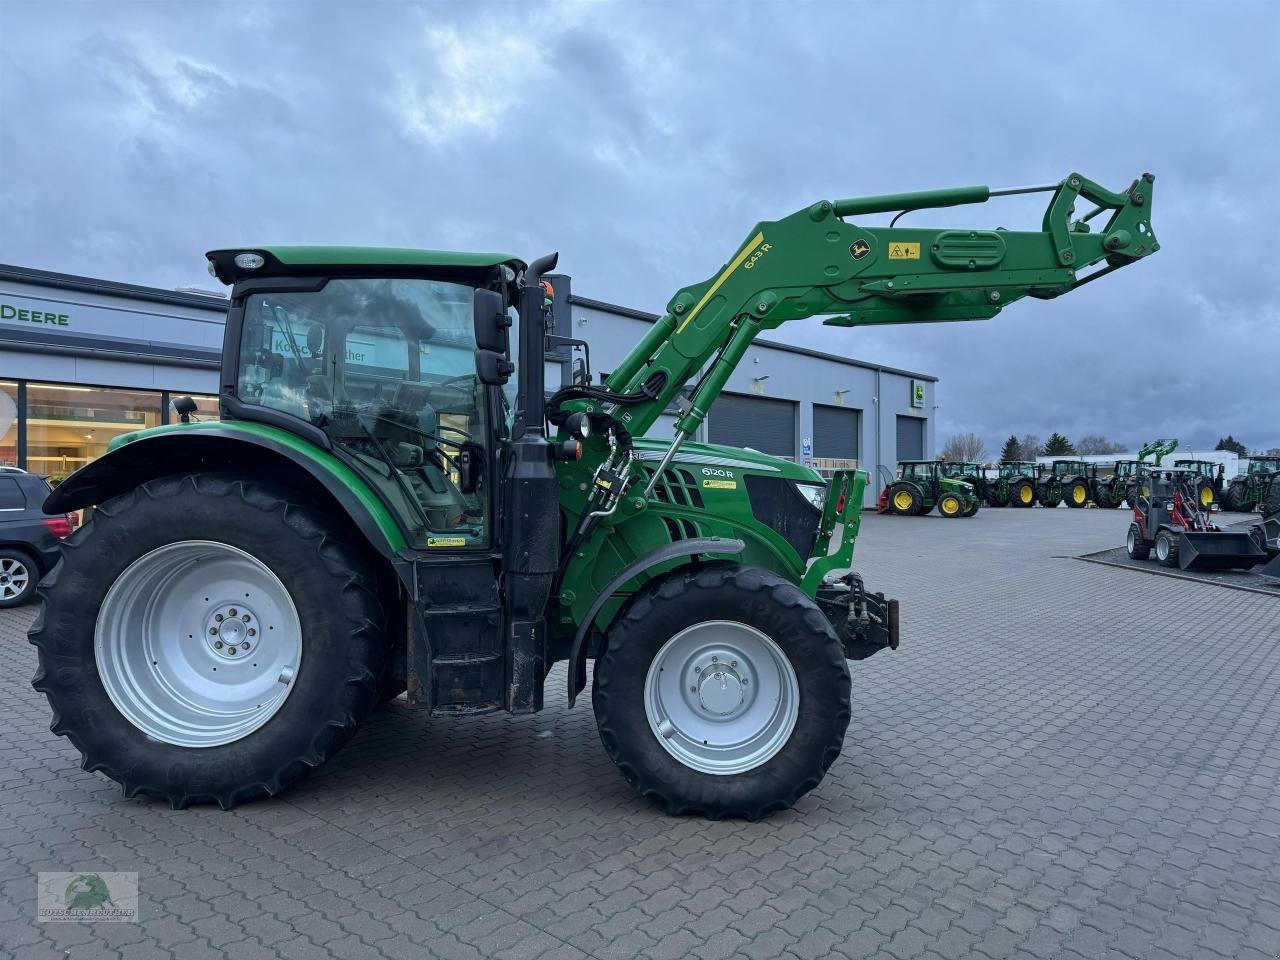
x: 643, y: 141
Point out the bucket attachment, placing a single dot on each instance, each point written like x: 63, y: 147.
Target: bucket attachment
x: 1272, y: 569
x: 1219, y: 550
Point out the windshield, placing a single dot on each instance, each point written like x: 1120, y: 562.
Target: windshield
x: 386, y: 368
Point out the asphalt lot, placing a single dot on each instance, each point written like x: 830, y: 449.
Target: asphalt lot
x: 1063, y: 760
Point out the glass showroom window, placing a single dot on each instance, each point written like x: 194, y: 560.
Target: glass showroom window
x: 8, y: 423
x: 69, y: 426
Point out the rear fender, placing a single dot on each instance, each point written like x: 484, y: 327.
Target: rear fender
x: 263, y: 451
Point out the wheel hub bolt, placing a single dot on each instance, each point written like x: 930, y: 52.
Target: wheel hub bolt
x: 219, y: 617
x: 217, y: 644
x: 232, y: 611
x: 245, y: 645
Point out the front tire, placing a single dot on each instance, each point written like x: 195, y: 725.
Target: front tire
x: 1167, y: 548
x: 1134, y: 545
x: 165, y: 690
x: 950, y: 505
x: 722, y: 691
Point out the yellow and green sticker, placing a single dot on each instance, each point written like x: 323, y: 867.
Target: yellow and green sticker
x: 904, y: 251
x: 720, y: 484
x: 446, y: 541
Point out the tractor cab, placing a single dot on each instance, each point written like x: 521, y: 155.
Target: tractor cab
x: 1260, y: 465
x: 1126, y: 469
x: 1011, y: 469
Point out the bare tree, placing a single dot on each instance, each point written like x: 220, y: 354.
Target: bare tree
x: 966, y: 447
x: 1095, y: 444
x: 1030, y: 445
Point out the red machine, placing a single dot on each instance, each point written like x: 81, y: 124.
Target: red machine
x: 1170, y: 521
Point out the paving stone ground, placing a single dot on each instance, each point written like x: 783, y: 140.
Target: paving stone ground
x: 1063, y: 760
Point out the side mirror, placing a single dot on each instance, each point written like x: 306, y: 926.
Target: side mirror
x: 489, y: 317
x: 470, y: 462
x: 492, y: 368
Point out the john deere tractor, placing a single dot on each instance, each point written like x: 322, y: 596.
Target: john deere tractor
x: 993, y: 491
x: 392, y: 502
x: 1208, y: 479
x: 1077, y: 481
x: 924, y: 484
x: 1113, y: 491
x: 1017, y: 483
x: 1252, y: 489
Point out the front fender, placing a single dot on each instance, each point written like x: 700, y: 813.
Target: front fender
x: 255, y: 448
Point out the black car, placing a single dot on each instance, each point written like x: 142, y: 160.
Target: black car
x: 29, y: 540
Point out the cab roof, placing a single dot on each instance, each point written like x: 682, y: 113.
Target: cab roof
x: 291, y: 261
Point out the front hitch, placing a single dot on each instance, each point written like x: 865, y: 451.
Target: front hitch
x: 866, y: 623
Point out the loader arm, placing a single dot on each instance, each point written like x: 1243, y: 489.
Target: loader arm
x: 816, y: 262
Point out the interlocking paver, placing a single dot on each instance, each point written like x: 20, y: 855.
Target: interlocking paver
x: 1063, y: 760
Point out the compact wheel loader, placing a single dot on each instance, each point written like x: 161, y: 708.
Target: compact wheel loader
x: 391, y: 502
x: 1170, y: 522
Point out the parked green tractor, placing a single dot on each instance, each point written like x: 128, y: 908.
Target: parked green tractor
x: 1207, y: 483
x: 1113, y: 491
x: 924, y: 484
x: 1078, y: 482
x: 1252, y: 489
x: 986, y: 489
x: 391, y: 502
x: 1017, y: 483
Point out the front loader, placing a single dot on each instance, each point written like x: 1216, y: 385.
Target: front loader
x: 391, y: 502
x: 1169, y: 521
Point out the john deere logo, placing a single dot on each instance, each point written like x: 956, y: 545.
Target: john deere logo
x: 87, y: 892
x: 859, y: 249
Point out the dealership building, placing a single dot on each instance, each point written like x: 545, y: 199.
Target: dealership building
x: 83, y: 361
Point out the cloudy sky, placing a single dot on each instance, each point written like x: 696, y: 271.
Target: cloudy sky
x: 643, y: 140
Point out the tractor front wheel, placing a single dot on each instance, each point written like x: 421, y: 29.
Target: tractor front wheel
x: 722, y: 691
x: 950, y: 505
x: 1049, y: 496
x: 905, y: 500
x: 1233, y: 498
x: 971, y: 510
x: 209, y: 638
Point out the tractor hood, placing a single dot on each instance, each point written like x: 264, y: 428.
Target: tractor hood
x: 714, y: 455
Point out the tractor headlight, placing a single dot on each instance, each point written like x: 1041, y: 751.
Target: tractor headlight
x: 814, y: 493
x: 249, y: 261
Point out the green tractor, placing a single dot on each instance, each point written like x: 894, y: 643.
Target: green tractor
x: 1113, y: 491
x: 391, y: 502
x: 922, y: 485
x: 1077, y: 481
x: 988, y: 490
x: 1017, y: 483
x: 1207, y: 482
x: 1254, y: 488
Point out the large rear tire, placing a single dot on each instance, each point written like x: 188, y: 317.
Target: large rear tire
x: 1076, y: 494
x: 722, y: 691
x: 905, y: 500
x: 1022, y: 493
x: 209, y: 638
x: 1271, y: 499
x: 1233, y: 498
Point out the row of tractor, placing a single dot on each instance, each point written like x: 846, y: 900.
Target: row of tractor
x: 957, y: 489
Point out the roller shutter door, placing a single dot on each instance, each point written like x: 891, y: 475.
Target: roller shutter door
x: 910, y: 438
x: 835, y: 432
x: 756, y: 422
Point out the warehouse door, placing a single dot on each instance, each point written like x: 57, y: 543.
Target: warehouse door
x: 910, y: 438
x: 835, y: 433
x: 756, y: 422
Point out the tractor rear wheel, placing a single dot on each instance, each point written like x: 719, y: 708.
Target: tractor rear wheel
x: 1167, y: 548
x: 722, y: 691
x: 950, y: 505
x: 1233, y: 498
x: 1134, y: 545
x: 1076, y: 494
x: 1022, y: 493
x: 1205, y: 494
x: 209, y: 638
x: 905, y: 500
x: 1271, y: 498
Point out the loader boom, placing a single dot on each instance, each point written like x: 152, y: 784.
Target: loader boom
x: 817, y: 263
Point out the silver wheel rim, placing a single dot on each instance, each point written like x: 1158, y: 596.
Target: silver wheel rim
x: 1162, y: 547
x: 198, y: 643
x: 1131, y: 541
x: 14, y: 577
x: 721, y: 697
